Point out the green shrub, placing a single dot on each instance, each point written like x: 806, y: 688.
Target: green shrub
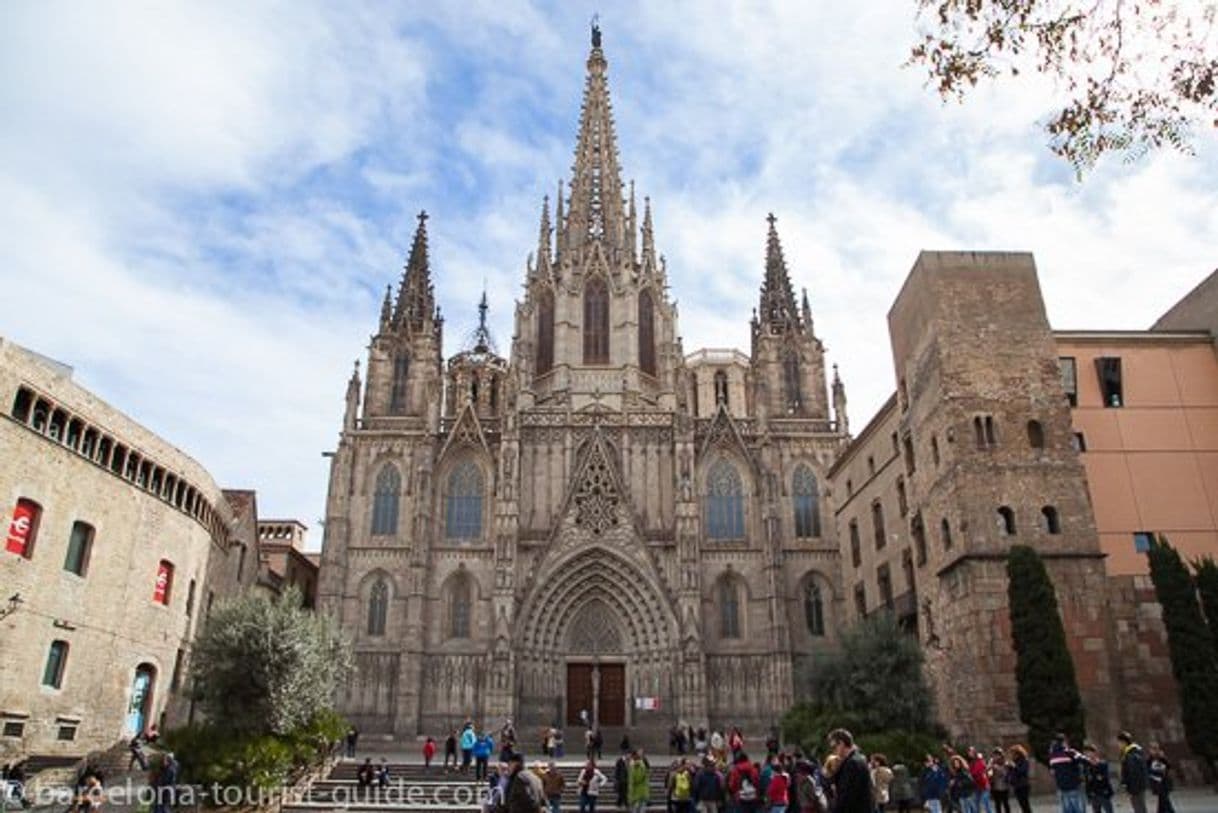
x: 807, y: 724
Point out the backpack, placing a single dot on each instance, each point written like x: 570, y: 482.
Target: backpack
x: 748, y: 791
x: 810, y: 796
x: 680, y: 785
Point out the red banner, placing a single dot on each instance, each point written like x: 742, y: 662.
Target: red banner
x: 21, y: 528
x: 164, y: 580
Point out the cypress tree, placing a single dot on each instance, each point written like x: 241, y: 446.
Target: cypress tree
x: 1207, y: 590
x: 1048, y: 694
x: 1191, y: 646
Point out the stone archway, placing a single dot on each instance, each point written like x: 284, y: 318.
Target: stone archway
x: 594, y: 615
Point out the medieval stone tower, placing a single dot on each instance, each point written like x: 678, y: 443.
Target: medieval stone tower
x: 599, y: 521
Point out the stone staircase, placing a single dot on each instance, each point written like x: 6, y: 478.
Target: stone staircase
x: 412, y: 787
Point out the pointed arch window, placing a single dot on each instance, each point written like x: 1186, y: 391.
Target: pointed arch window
x: 647, y: 333
x: 378, y: 607
x: 596, y: 322
x: 385, y: 501
x: 814, y: 609
x: 545, y: 332
x: 463, y: 502
x: 401, y: 375
x: 790, y: 381
x: 806, y: 496
x: 729, y: 608
x: 459, y: 608
x: 724, y: 502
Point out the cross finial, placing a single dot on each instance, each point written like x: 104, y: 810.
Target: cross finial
x: 771, y: 219
x: 423, y: 216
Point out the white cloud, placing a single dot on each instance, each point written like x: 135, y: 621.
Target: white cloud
x: 202, y: 203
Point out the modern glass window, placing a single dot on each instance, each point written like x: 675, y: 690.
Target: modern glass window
x: 596, y: 322
x: 385, y: 501
x: 378, y: 607
x: 545, y: 331
x: 1069, y: 368
x: 729, y: 608
x: 647, y: 333
x: 57, y: 662
x: 463, y: 502
x: 805, y: 493
x: 724, y: 502
x: 80, y: 544
x: 1142, y: 541
x: 814, y: 609
x: 1111, y: 387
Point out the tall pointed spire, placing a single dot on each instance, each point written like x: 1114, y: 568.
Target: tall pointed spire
x: 597, y: 211
x: 351, y: 413
x: 560, y: 222
x: 543, y: 239
x: 806, y: 312
x: 777, y: 297
x: 416, y: 297
x: 387, y: 310
x: 649, y: 238
x: 632, y: 228
x: 839, y: 403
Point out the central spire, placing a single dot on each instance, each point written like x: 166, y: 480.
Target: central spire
x: 597, y: 211
x: 777, y: 305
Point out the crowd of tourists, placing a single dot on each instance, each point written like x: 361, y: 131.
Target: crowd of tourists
x: 713, y: 773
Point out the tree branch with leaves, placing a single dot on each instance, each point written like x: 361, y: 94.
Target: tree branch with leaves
x: 1133, y: 75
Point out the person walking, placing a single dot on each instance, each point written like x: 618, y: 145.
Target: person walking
x: 1133, y: 771
x: 901, y: 791
x: 138, y: 757
x: 778, y: 789
x: 1098, y: 780
x: 621, y: 780
x: 1067, y: 767
x: 682, y: 788
x: 708, y: 788
x: 932, y: 784
x: 998, y: 772
x: 468, y: 738
x: 1158, y: 771
x: 429, y: 753
x: 552, y: 784
x: 523, y: 793
x: 450, y: 751
x: 484, y: 746
x: 352, y: 739
x: 980, y: 772
x: 638, y: 793
x: 165, y: 784
x: 744, y: 784
x: 590, y: 783
x: 1019, y: 775
x: 881, y: 780
x: 851, y: 779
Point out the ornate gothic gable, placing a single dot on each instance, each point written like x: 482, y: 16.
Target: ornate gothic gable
x: 467, y: 431
x: 724, y: 434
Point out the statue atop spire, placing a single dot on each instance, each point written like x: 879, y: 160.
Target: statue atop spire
x: 777, y: 311
x: 596, y: 31
x: 597, y: 207
x: 416, y: 302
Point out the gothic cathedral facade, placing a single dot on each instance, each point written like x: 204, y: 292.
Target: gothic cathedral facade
x: 599, y: 522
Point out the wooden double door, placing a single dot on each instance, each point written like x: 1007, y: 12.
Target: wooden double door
x: 609, y: 698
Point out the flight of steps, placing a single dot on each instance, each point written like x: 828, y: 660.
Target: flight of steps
x: 414, y: 787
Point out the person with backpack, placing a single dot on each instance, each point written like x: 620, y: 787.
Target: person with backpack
x: 1133, y: 771
x: 901, y: 791
x: 808, y: 787
x: 468, y: 738
x: 881, y: 779
x: 680, y: 786
x: 743, y: 784
x: 484, y: 746
x: 590, y: 783
x: 777, y: 790
x: 707, y: 791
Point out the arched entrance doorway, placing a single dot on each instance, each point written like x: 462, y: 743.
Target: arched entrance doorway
x: 596, y: 672
x: 139, y: 709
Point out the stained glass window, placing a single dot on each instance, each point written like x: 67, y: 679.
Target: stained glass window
x: 596, y: 322
x: 724, y: 502
x: 385, y: 501
x: 806, y: 496
x: 463, y: 507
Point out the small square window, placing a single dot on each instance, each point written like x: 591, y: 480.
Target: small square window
x: 1142, y: 541
x: 1080, y: 442
x: 14, y: 728
x: 66, y: 732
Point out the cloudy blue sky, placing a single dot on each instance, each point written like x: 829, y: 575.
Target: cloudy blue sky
x: 203, y: 203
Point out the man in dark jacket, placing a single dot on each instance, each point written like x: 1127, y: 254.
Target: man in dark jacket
x: 852, y: 781
x: 708, y: 788
x: 1133, y: 771
x: 1067, y: 766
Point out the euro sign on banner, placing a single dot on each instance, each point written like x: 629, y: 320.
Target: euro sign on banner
x: 21, y: 528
